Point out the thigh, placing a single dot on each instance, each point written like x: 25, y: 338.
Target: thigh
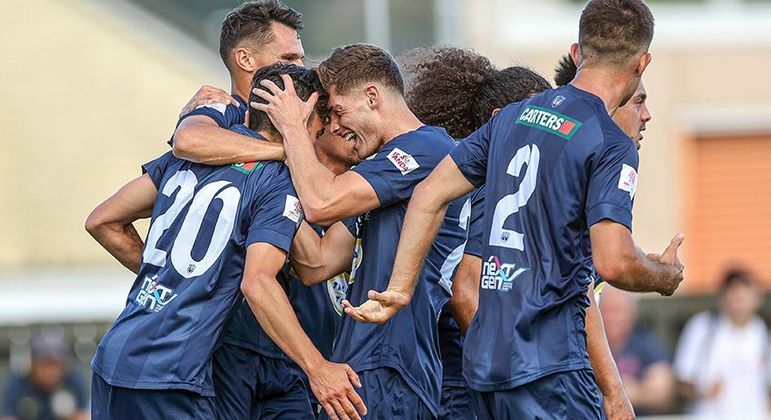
x: 235, y: 381
x: 456, y: 403
x: 117, y: 403
x: 282, y: 393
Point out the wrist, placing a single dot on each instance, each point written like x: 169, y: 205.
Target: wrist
x: 311, y: 365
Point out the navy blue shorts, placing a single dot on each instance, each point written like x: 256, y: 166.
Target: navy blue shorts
x: 387, y: 396
x: 251, y: 386
x: 115, y: 403
x: 456, y: 403
x: 562, y: 395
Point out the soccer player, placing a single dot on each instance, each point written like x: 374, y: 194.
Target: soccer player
x: 214, y: 230
x: 255, y: 35
x: 398, y: 361
x: 554, y: 167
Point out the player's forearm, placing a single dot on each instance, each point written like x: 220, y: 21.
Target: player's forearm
x: 425, y: 214
x: 314, y: 183
x: 273, y: 311
x: 641, y: 273
x: 121, y: 241
x: 209, y: 144
x: 600, y: 357
x: 465, y: 291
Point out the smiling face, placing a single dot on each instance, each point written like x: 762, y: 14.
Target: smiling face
x: 353, y: 118
x: 634, y: 115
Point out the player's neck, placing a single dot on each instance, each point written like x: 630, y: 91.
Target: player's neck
x: 400, y: 120
x: 335, y: 166
x: 270, y: 137
x: 603, y: 84
x: 240, y: 88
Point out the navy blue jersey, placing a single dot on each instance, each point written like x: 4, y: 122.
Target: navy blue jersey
x: 318, y: 309
x: 203, y: 220
x: 552, y: 166
x: 476, y: 223
x: 408, y: 342
x: 451, y: 350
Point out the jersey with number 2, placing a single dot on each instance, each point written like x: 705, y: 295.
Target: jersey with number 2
x: 552, y: 166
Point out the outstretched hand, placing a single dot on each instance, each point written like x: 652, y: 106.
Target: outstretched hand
x: 380, y: 307
x: 284, y: 108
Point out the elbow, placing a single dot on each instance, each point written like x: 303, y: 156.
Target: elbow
x: 616, y: 270
x: 95, y: 222
x: 182, y: 144
x: 252, y: 287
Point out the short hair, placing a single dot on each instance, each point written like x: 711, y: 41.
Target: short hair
x: 614, y: 31
x: 565, y: 71
x: 736, y: 276
x: 252, y: 20
x: 305, y: 83
x: 458, y: 89
x: 353, y: 65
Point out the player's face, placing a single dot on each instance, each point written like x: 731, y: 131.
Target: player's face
x: 354, y: 120
x: 634, y: 115
x: 286, y: 47
x: 337, y: 149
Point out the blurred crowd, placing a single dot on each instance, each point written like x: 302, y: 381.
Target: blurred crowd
x: 720, y: 368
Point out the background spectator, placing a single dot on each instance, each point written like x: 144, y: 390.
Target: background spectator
x: 50, y: 390
x: 642, y: 361
x: 721, y: 359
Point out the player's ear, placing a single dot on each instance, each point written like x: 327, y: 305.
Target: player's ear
x: 245, y: 60
x: 575, y: 53
x: 645, y: 59
x: 495, y: 111
x: 373, y: 96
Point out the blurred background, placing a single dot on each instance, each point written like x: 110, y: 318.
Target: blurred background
x: 93, y: 89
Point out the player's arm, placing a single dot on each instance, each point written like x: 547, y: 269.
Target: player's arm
x: 208, y: 95
x: 465, y: 291
x: 200, y: 139
x: 326, y: 197
x: 111, y: 223
x: 332, y: 383
x: 316, y: 258
x: 623, y: 265
x: 425, y: 214
x: 615, y: 401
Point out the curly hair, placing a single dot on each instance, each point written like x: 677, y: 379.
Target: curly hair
x: 565, y: 71
x: 444, y: 83
x: 458, y: 89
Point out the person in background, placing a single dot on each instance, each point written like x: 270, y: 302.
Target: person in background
x: 721, y: 361
x: 50, y: 390
x: 641, y: 359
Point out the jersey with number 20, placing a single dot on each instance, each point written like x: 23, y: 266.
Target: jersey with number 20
x: 552, y: 166
x: 203, y: 220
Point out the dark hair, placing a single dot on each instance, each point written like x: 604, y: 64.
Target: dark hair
x: 353, y: 65
x: 458, y: 89
x: 736, y: 276
x: 565, y: 71
x: 305, y: 83
x: 614, y: 31
x: 252, y: 20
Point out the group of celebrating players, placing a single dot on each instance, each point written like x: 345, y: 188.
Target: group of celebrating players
x: 329, y: 242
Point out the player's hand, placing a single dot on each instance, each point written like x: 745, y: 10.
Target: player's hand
x: 618, y: 407
x: 283, y: 106
x: 207, y: 95
x: 380, y: 307
x: 670, y: 257
x: 333, y: 383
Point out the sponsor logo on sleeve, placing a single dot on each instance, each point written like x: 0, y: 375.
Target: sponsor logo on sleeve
x: 627, y: 180
x: 552, y: 122
x: 216, y: 106
x: 403, y: 161
x: 292, y: 209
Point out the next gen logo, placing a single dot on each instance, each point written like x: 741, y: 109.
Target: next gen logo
x: 154, y: 296
x: 497, y: 276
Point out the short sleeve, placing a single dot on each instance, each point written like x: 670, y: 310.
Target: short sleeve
x: 612, y: 184
x: 277, y: 214
x: 156, y: 168
x: 471, y: 154
x: 476, y: 224
x: 224, y: 115
x: 395, y: 171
